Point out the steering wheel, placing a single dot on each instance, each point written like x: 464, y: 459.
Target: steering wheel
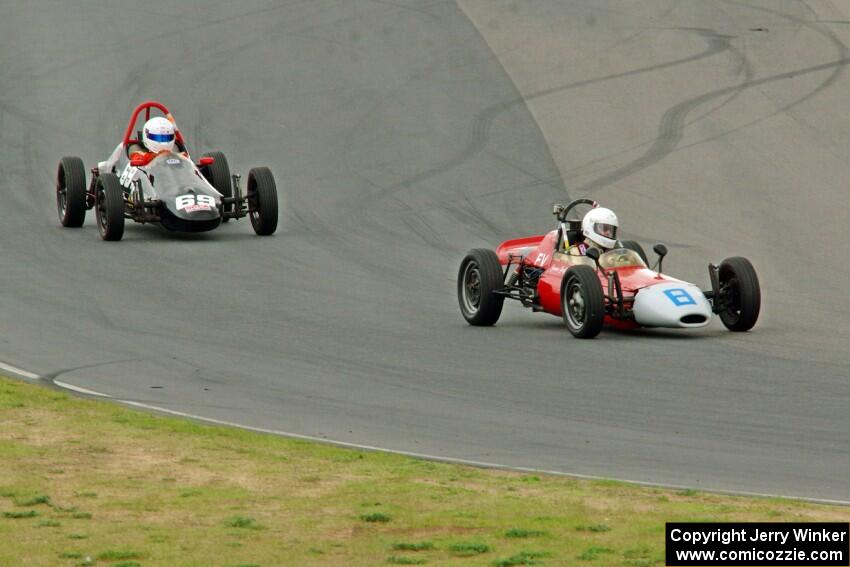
x: 563, y: 215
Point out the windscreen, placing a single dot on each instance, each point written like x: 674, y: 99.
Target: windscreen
x: 621, y: 258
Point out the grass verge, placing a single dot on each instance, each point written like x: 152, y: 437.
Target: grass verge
x: 92, y: 483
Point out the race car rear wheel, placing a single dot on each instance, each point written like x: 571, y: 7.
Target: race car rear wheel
x: 262, y: 201
x: 109, y: 207
x: 633, y: 245
x: 71, y: 192
x: 582, y: 302
x: 739, y: 294
x: 218, y: 174
x: 478, y: 279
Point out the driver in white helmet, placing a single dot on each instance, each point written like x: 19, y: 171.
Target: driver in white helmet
x: 158, y: 136
x: 599, y: 228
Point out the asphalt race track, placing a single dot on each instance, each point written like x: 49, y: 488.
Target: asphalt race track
x: 402, y: 133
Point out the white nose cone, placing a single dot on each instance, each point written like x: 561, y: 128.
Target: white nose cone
x: 672, y: 305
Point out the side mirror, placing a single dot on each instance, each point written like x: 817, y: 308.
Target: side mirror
x: 206, y: 160
x: 661, y: 250
x: 557, y: 209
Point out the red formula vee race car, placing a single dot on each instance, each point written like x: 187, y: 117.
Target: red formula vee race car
x: 589, y: 290
x: 150, y: 178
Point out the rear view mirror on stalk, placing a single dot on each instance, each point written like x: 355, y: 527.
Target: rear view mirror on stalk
x: 661, y: 250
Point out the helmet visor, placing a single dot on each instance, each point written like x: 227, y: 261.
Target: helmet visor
x: 606, y: 230
x: 161, y: 138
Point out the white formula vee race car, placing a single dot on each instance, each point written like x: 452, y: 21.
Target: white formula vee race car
x: 167, y: 188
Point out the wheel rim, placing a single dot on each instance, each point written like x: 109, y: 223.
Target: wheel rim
x: 732, y: 297
x: 62, y: 197
x: 63, y: 201
x: 471, y: 291
x: 254, y: 209
x: 574, y: 305
x: 102, y: 222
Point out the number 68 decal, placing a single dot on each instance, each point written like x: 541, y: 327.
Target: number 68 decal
x: 194, y: 202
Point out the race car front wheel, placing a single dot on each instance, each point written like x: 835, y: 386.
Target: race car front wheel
x: 71, y: 192
x: 262, y: 201
x: 739, y: 294
x: 109, y: 207
x: 582, y: 302
x: 478, y: 279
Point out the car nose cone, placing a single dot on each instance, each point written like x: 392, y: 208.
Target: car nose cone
x: 674, y: 304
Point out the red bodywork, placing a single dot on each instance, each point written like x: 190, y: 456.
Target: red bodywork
x: 540, y: 252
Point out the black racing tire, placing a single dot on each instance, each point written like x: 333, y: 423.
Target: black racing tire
x: 262, y: 201
x: 109, y: 207
x: 634, y: 245
x: 740, y: 294
x: 478, y: 279
x: 71, y: 192
x: 582, y: 302
x: 218, y: 174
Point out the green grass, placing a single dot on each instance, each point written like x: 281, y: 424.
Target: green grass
x: 593, y: 552
x: 419, y: 546
x: 402, y: 560
x: 33, y: 500
x: 49, y: 524
x: 118, y: 555
x: 598, y: 528
x: 467, y: 549
x: 19, y: 515
x: 522, y: 558
x: 117, y: 486
x: 242, y: 522
x: 523, y: 533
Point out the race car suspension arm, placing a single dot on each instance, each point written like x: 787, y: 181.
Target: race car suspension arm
x: 615, y: 292
x: 140, y: 209
x: 239, y: 209
x: 714, y: 295
x: 95, y: 173
x: 515, y: 286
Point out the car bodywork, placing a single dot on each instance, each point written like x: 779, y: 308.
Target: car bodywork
x: 638, y: 296
x: 166, y: 188
x: 558, y: 273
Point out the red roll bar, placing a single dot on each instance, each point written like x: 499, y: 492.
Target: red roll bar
x: 147, y: 106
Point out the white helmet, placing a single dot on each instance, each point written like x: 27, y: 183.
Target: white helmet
x: 600, y: 227
x: 158, y: 135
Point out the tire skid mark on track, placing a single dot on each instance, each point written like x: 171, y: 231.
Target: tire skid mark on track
x: 482, y: 123
x: 371, y: 291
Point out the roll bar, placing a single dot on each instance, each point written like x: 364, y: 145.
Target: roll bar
x: 146, y: 107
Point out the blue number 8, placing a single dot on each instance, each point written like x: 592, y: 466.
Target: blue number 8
x: 679, y: 297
